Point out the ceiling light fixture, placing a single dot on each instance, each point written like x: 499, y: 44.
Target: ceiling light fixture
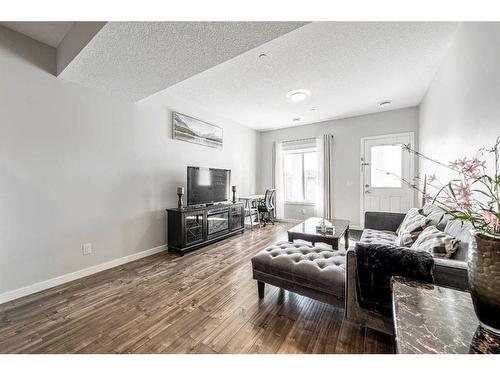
x: 385, y: 104
x: 298, y: 95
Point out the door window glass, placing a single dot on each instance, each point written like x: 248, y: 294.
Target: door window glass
x: 386, y: 166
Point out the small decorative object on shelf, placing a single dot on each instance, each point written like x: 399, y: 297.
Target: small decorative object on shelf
x: 474, y: 196
x: 233, y: 189
x: 180, y: 193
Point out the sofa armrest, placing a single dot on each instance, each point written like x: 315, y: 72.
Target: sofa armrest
x: 451, y: 273
x: 383, y: 220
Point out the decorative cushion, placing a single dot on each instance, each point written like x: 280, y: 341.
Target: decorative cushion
x: 404, y: 239
x: 315, y: 267
x: 435, y: 215
x: 413, y: 223
x: 436, y: 242
x: 383, y: 237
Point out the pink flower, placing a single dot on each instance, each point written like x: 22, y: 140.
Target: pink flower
x: 459, y: 163
x: 463, y: 197
x: 431, y: 178
x: 468, y: 167
x: 463, y: 192
x: 478, y: 163
x: 427, y: 198
x: 491, y: 219
x: 464, y: 205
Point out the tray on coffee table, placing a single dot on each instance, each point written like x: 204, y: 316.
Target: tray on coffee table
x: 307, y: 231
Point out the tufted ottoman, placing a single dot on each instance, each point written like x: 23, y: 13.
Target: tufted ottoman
x: 313, y: 271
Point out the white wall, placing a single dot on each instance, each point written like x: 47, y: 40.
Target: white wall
x: 461, y: 111
x: 78, y: 166
x: 346, y: 154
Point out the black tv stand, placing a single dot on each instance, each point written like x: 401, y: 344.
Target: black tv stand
x: 190, y: 228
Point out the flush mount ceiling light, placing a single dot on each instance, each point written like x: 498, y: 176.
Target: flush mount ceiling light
x: 298, y: 95
x: 385, y: 104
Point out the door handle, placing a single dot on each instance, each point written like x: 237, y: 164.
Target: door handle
x: 367, y: 192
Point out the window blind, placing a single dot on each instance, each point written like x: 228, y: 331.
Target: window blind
x: 299, y: 146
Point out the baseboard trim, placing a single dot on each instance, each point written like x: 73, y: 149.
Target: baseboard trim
x: 59, y: 280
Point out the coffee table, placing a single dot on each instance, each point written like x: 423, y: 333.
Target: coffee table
x: 307, y: 231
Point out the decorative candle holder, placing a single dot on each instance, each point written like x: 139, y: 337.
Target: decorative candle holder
x: 180, y: 193
x: 233, y: 189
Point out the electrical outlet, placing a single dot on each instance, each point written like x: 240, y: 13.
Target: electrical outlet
x: 86, y: 248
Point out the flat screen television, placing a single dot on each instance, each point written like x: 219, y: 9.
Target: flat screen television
x: 207, y: 185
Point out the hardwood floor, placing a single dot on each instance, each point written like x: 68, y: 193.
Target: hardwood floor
x: 204, y: 302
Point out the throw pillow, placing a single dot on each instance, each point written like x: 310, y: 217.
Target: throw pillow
x: 435, y: 242
x: 404, y: 239
x: 413, y: 223
x: 436, y: 215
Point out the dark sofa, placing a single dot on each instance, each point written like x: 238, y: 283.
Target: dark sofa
x: 450, y: 272
x: 380, y: 228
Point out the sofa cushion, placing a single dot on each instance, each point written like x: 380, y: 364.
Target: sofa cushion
x: 383, y: 237
x: 436, y: 242
x: 314, y: 267
x: 414, y: 223
x: 436, y: 215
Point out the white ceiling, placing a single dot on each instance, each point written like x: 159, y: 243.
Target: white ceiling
x: 50, y: 33
x: 348, y: 67
x: 138, y: 59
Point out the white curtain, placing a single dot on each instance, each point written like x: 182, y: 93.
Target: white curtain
x: 277, y: 180
x: 319, y: 206
x: 328, y: 175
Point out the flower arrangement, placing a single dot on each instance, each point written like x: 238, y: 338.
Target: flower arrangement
x: 474, y: 195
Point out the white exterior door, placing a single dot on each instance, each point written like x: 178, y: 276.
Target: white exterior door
x: 384, y: 166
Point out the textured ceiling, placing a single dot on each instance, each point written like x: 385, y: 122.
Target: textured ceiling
x: 50, y: 33
x: 137, y: 59
x: 348, y: 67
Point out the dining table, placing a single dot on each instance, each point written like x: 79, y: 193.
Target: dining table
x: 250, y: 203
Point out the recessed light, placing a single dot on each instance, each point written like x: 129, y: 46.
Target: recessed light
x: 385, y: 104
x: 296, y: 119
x: 262, y: 55
x: 298, y: 95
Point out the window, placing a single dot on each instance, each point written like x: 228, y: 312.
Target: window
x: 300, y: 174
x: 386, y: 166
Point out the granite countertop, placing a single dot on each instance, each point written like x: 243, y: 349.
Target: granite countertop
x: 433, y: 319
